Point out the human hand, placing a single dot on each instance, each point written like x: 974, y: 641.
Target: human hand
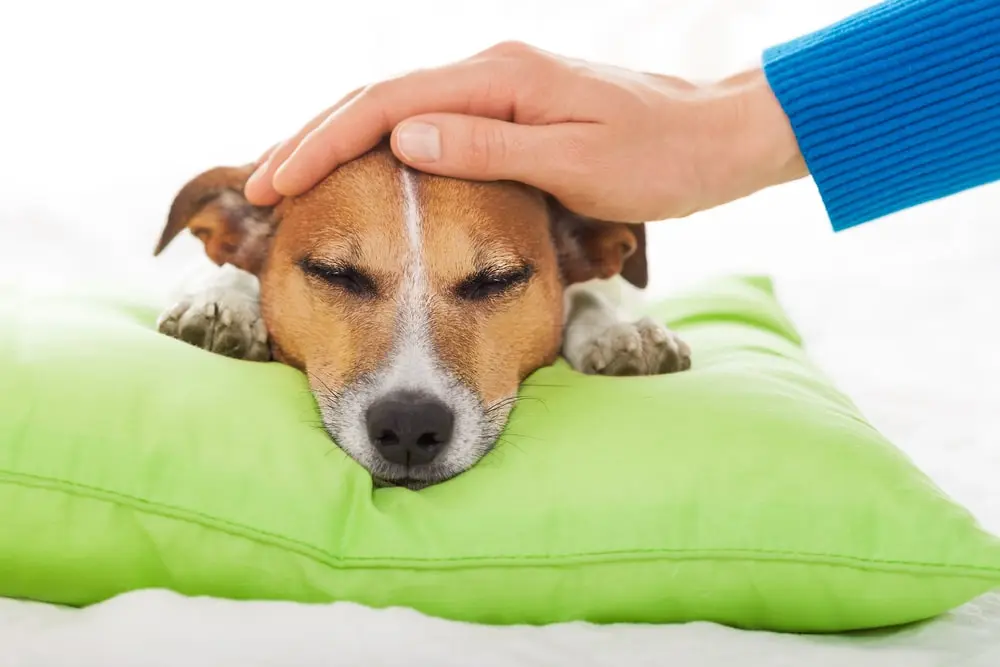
x: 608, y: 143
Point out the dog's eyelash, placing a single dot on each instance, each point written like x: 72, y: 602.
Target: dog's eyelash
x: 348, y: 278
x: 489, y: 283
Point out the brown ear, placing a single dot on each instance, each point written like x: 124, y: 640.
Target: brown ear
x: 212, y: 206
x: 635, y: 270
x: 591, y: 248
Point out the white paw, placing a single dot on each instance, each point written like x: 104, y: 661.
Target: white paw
x: 223, y: 320
x: 644, y: 347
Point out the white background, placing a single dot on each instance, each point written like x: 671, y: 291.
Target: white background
x: 107, y: 107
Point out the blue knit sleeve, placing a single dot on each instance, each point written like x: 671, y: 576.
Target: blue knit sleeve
x: 895, y: 106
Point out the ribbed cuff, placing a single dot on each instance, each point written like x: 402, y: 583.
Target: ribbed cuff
x: 896, y: 105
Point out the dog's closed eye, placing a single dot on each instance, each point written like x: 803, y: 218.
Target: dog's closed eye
x: 346, y: 277
x: 492, y: 282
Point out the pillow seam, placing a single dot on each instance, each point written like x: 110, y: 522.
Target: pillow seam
x: 208, y: 522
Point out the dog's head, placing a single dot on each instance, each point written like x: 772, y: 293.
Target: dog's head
x: 415, y: 304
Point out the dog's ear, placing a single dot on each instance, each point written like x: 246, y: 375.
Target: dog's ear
x: 213, y: 207
x: 635, y: 270
x: 591, y: 248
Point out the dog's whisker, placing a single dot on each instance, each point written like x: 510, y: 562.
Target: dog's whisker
x: 522, y: 436
x: 496, y: 407
x: 544, y: 385
x: 321, y: 382
x: 538, y: 399
x: 507, y: 443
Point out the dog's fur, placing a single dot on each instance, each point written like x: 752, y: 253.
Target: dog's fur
x: 382, y: 282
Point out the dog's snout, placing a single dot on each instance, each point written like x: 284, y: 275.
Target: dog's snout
x: 409, y: 428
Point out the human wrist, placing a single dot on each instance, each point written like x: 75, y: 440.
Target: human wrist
x: 765, y: 145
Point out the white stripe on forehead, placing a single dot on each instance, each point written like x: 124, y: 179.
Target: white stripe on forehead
x: 411, y: 217
x: 413, y: 292
x: 413, y: 364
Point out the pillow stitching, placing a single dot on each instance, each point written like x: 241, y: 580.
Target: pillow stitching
x: 326, y: 558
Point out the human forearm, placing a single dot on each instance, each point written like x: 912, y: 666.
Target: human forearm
x: 895, y: 106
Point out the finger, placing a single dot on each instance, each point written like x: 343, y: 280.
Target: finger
x: 266, y: 155
x: 263, y: 199
x: 486, y: 149
x: 259, y: 189
x: 474, y: 87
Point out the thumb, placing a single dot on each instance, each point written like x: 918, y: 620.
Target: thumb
x: 480, y: 149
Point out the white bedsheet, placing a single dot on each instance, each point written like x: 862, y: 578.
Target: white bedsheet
x: 113, y: 105
x: 161, y: 629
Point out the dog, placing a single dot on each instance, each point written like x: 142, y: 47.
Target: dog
x: 415, y: 304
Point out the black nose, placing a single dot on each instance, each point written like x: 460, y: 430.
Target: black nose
x: 409, y: 428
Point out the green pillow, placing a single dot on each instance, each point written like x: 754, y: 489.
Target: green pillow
x: 747, y: 491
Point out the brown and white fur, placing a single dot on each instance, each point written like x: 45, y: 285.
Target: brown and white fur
x: 415, y: 304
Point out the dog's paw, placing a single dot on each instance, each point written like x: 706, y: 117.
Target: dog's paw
x: 644, y: 347
x: 220, y: 320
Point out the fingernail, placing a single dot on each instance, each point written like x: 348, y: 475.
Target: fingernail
x: 419, y: 142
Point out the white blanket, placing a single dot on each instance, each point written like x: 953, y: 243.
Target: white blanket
x: 111, y: 105
x: 156, y: 628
